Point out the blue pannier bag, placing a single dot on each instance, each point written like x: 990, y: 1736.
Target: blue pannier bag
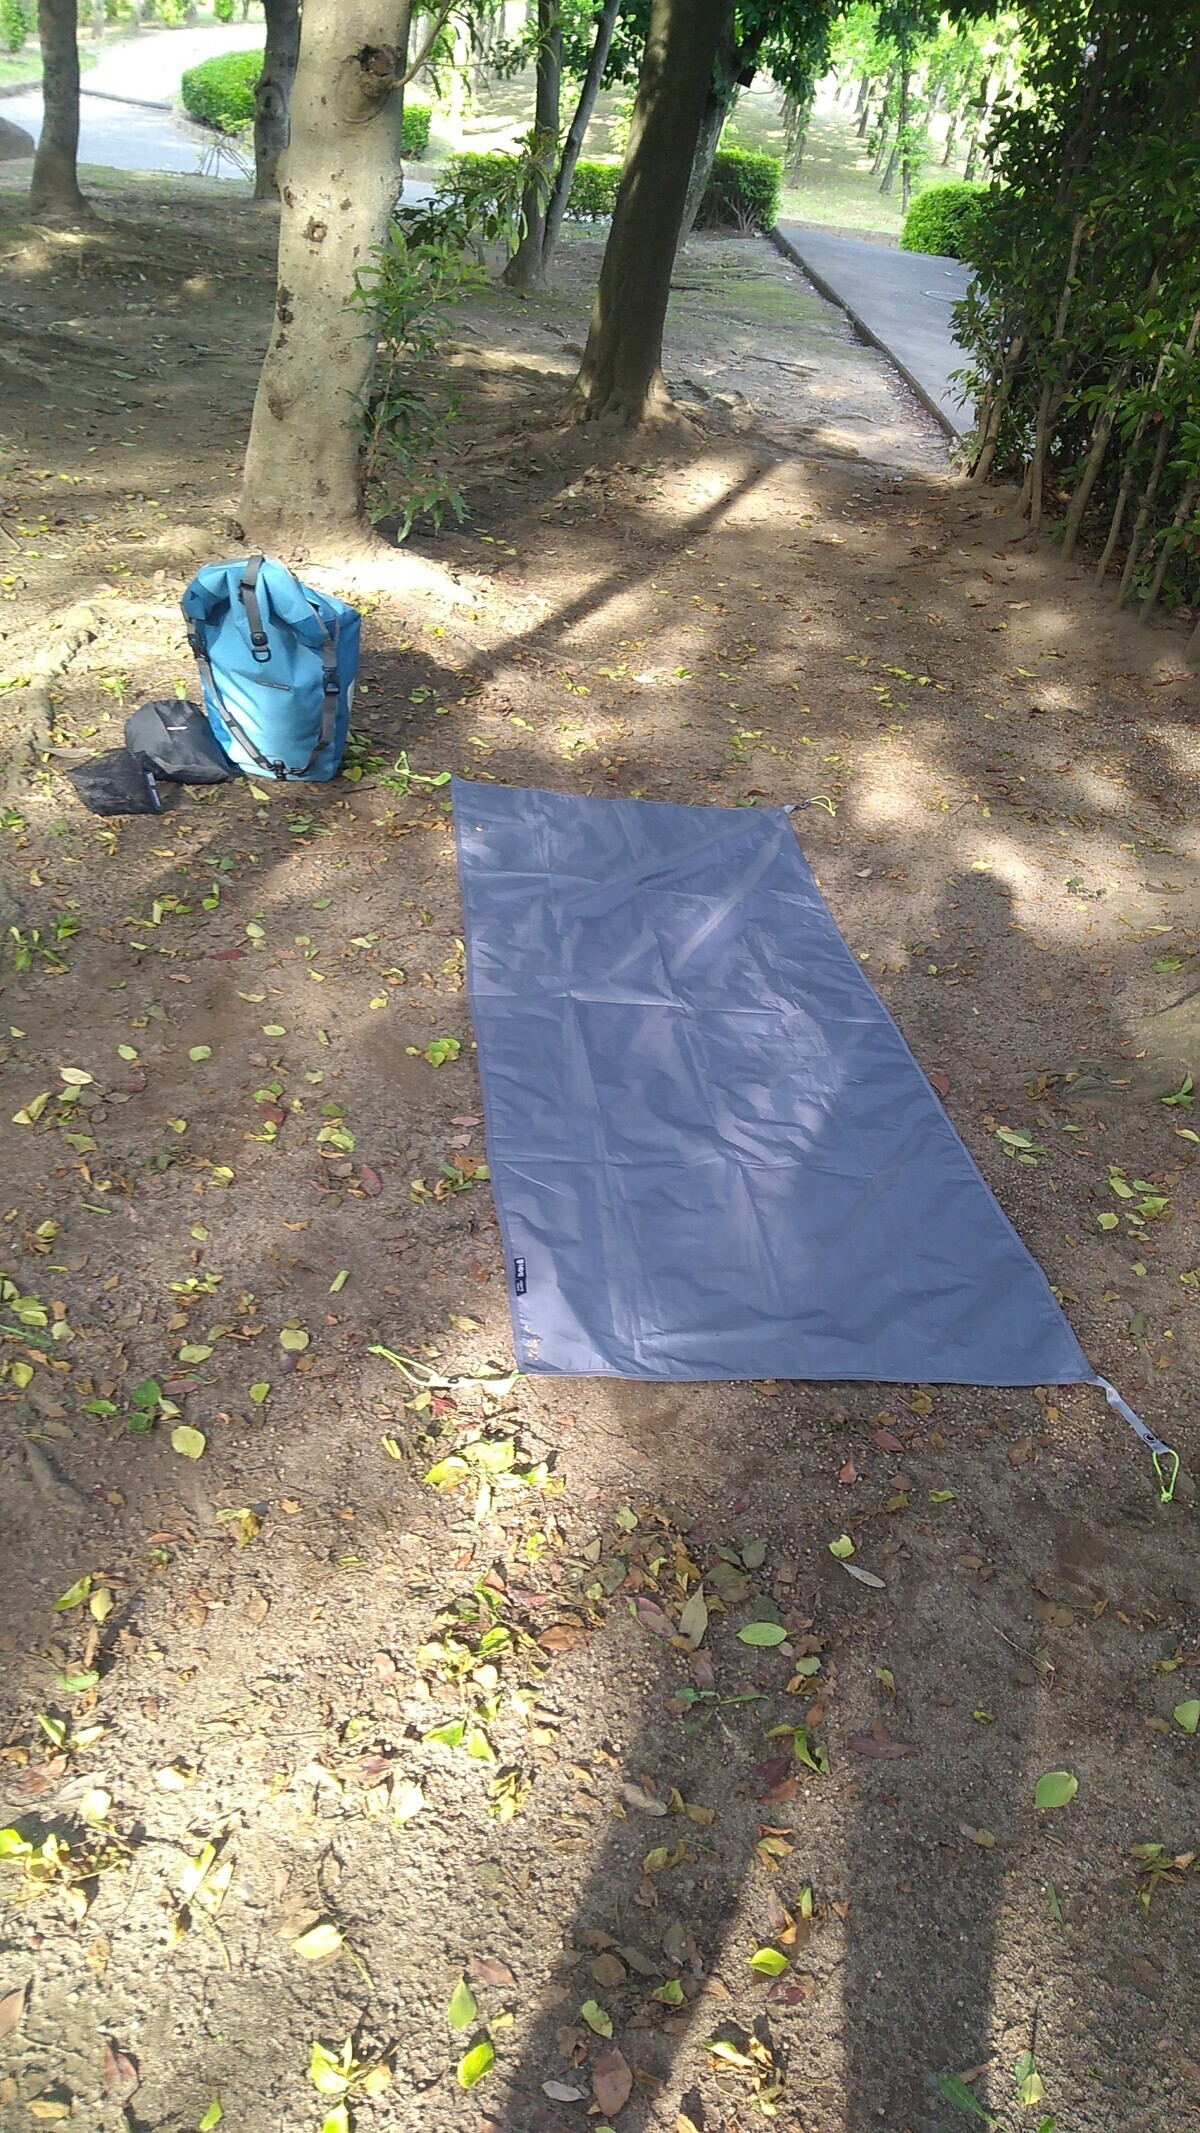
x: 278, y: 664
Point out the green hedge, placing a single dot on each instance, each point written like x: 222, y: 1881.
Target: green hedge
x: 414, y: 129
x: 743, y: 190
x: 220, y: 91
x: 594, y: 191
x: 943, y: 219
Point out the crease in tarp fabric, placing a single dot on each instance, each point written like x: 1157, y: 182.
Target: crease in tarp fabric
x: 712, y: 1153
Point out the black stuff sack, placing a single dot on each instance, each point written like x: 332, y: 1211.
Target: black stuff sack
x: 173, y: 739
x: 117, y: 784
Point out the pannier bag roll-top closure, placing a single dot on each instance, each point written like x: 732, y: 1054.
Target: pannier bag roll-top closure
x: 278, y: 663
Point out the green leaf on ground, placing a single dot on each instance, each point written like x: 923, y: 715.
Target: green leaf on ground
x: 463, y: 2006
x: 197, y: 1052
x: 212, y: 2117
x: 955, y: 2091
x: 764, y: 1633
x: 442, y: 1050
x: 1187, y: 1714
x: 1055, y: 1788
x: 74, y: 1596
x: 188, y: 1442
x: 842, y: 1547
x: 294, y: 1339
x: 1029, y: 2084
x: 693, y: 1618
x: 597, y: 2020
x: 258, y: 1393
x: 475, y: 2064
x: 769, y: 1962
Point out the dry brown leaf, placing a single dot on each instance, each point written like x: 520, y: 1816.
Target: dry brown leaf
x: 612, y: 2081
x: 609, y: 1971
x: 12, y: 2007
x: 638, y: 1796
x: 119, y: 2073
x: 878, y: 1742
x: 653, y: 1619
x: 563, y: 1637
x: 488, y: 1970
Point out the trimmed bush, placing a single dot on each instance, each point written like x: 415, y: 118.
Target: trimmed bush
x: 414, y: 129
x: 220, y: 92
x: 943, y: 219
x: 743, y: 190
x: 593, y: 191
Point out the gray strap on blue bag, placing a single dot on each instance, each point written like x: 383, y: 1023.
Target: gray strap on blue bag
x: 260, y: 645
x: 274, y: 770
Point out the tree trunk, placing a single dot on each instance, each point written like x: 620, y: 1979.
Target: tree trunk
x: 339, y: 179
x: 526, y: 267
x: 620, y: 379
x: 890, y: 173
x: 708, y: 140
x: 98, y: 18
x: 273, y: 92
x: 864, y: 98
x: 981, y: 112
x: 556, y: 206
x: 1054, y: 385
x: 54, y: 187
x: 904, y: 144
x: 1171, y: 539
x: 864, y: 109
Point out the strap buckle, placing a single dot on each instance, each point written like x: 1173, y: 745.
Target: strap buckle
x: 260, y: 648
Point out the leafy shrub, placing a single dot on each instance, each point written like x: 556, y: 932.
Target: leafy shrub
x: 414, y: 129
x: 593, y: 191
x: 223, y: 10
x: 220, y: 92
x: 489, y: 187
x: 743, y: 190
x: 426, y: 266
x: 16, y: 21
x: 943, y: 219
x: 481, y: 195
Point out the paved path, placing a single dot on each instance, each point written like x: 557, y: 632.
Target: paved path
x: 120, y: 135
x: 124, y: 136
x: 901, y: 301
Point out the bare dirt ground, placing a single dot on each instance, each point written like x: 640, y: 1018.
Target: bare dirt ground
x: 297, y: 1650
